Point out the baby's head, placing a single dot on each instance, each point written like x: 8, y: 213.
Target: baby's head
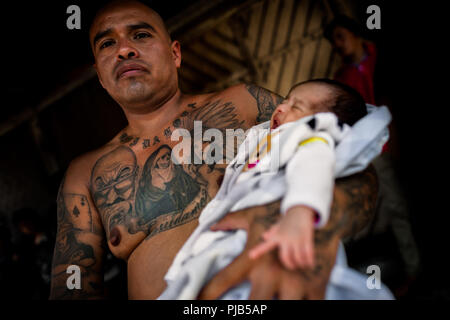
x: 320, y: 95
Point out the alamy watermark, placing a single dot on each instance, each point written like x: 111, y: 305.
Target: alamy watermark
x: 374, y: 280
x: 74, y: 280
x: 216, y: 146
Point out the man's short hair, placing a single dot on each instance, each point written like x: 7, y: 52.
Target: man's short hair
x: 346, y: 103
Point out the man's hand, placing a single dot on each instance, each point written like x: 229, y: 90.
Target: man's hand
x: 353, y: 207
x: 269, y: 279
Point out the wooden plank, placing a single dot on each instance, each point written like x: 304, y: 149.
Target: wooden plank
x: 203, y: 64
x: 286, y: 23
x: 269, y: 26
x: 202, y: 76
x: 306, y: 61
x: 316, y: 17
x: 288, y: 77
x: 278, y: 21
x: 273, y: 74
x: 238, y: 26
x: 322, y: 59
x: 212, y: 40
x: 299, y: 21
x: 225, y: 30
x: 216, y: 54
x: 262, y: 21
x: 315, y: 59
x: 254, y: 14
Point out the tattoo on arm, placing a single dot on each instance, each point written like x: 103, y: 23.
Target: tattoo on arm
x: 266, y: 102
x: 353, y: 206
x: 74, y: 246
x: 360, y: 196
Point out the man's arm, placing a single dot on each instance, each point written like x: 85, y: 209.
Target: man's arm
x: 353, y: 207
x: 79, y: 243
x: 266, y: 102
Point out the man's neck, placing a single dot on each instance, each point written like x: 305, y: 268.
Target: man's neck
x: 143, y: 123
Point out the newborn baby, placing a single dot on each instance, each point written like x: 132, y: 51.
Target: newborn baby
x: 293, y: 159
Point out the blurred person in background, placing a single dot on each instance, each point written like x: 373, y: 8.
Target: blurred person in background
x: 358, y: 56
x: 392, y: 222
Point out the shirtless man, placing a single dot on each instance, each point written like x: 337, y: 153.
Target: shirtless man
x: 129, y: 195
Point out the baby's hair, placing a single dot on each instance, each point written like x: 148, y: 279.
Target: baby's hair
x: 346, y: 103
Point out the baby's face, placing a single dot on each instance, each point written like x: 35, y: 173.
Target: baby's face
x: 303, y: 101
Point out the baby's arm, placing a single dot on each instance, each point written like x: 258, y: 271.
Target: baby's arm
x: 310, y: 182
x: 293, y: 234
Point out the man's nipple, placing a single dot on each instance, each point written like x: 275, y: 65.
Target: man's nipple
x: 114, y: 237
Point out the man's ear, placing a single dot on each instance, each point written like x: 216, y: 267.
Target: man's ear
x: 98, y: 75
x: 176, y: 53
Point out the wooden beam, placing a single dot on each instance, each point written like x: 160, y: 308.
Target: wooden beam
x: 238, y: 26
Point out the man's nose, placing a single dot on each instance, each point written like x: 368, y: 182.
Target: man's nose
x: 127, y: 50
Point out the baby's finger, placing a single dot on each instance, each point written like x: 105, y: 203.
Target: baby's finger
x: 285, y: 255
x: 261, y: 248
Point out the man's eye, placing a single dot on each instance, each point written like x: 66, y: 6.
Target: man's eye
x: 141, y: 35
x: 106, y: 44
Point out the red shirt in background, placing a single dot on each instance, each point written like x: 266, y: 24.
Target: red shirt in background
x: 360, y: 75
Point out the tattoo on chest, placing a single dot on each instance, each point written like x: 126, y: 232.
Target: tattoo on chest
x: 161, y: 195
x: 113, y: 185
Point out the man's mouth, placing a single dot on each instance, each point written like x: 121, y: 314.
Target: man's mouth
x: 130, y: 70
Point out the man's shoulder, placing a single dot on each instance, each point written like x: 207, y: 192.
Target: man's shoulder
x: 235, y: 91
x: 79, y: 170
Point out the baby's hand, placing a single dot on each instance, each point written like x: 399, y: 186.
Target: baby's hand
x: 293, y: 235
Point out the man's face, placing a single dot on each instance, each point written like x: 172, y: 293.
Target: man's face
x: 134, y: 58
x: 345, y: 41
x: 302, y: 101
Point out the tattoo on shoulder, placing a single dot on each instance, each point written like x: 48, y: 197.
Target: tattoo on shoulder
x: 266, y: 102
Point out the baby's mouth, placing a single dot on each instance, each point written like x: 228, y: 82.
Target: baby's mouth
x: 275, y: 124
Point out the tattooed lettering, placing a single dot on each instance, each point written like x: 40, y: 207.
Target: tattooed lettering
x: 146, y: 143
x: 134, y: 142
x: 167, y: 132
x: 125, y: 138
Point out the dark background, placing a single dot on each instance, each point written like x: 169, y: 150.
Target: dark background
x: 40, y: 56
